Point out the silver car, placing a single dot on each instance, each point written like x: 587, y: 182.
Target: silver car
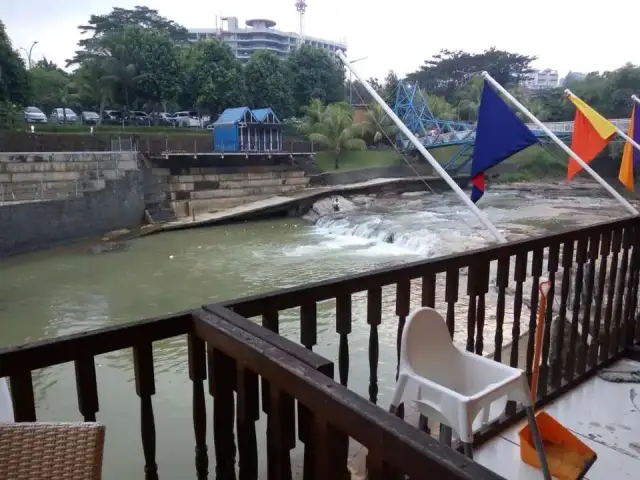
x: 34, y: 115
x: 62, y: 115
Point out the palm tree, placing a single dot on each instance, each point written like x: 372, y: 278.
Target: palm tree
x: 379, y: 125
x: 335, y: 130
x: 312, y: 116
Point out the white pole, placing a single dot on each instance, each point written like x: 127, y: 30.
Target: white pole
x: 434, y: 163
x: 635, y: 99
x: 561, y: 144
x: 618, y: 131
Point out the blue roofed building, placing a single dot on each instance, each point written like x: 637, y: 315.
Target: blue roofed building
x: 241, y: 129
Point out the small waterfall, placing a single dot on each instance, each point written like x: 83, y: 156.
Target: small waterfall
x: 377, y: 231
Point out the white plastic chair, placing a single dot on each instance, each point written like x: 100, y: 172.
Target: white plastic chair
x: 453, y: 386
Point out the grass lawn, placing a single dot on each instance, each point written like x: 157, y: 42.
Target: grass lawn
x: 356, y: 160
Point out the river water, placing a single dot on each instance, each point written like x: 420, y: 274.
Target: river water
x: 47, y: 294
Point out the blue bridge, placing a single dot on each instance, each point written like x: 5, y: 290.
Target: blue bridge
x: 411, y: 107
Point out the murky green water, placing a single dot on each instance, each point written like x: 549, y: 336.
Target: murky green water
x: 53, y: 293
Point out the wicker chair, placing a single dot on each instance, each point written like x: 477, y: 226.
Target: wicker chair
x: 51, y: 451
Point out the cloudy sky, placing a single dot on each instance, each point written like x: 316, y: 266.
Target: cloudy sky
x: 399, y: 34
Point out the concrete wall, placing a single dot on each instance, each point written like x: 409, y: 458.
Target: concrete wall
x: 37, y: 225
x: 357, y: 176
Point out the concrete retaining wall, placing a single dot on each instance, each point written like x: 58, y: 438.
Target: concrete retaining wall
x: 358, y: 176
x: 37, y: 225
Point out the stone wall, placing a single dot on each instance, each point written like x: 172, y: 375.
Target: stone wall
x: 357, y: 176
x: 37, y: 225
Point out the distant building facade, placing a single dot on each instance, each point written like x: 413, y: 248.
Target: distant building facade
x: 259, y: 34
x: 542, y: 79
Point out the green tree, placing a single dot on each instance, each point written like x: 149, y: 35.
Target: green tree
x: 14, y: 79
x: 48, y: 85
x: 267, y: 83
x: 315, y: 75
x: 379, y: 125
x: 215, y: 77
x: 93, y: 87
x: 337, y: 132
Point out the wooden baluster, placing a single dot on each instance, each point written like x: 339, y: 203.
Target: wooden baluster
x: 222, y: 383
x: 281, y: 435
x: 502, y: 281
x: 378, y: 469
x: 374, y: 318
x: 552, y: 268
x: 87, y: 388
x: 536, y: 271
x: 481, y: 288
x: 451, y: 297
x: 567, y: 266
x: 271, y: 321
x: 22, y: 397
x: 614, y: 343
x: 581, y: 258
x: 145, y: 389
x: 634, y: 328
x: 332, y: 448
x: 248, y: 413
x: 403, y: 301
x: 428, y: 299
x: 624, y: 339
x: 616, y: 245
x: 309, y: 324
x: 343, y: 328
x: 605, y: 247
x: 197, y: 355
x: 520, y: 276
x: 471, y: 313
x: 583, y: 348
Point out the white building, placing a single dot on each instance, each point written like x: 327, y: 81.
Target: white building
x: 259, y: 34
x: 542, y: 79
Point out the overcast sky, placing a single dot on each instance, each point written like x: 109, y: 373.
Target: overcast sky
x: 399, y: 34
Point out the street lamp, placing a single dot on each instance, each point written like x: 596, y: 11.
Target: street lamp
x: 350, y: 82
x: 28, y: 53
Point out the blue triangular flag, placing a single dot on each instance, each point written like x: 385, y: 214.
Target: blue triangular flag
x: 499, y: 134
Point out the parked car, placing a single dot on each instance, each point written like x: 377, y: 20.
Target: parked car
x: 138, y: 117
x: 114, y: 117
x: 89, y: 118
x: 162, y: 119
x: 63, y: 115
x: 186, y: 119
x: 34, y: 115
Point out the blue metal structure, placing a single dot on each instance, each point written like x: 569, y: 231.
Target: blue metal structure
x: 236, y: 130
x: 412, y: 108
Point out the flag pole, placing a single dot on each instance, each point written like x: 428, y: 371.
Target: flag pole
x: 618, y: 131
x: 635, y: 99
x: 561, y: 144
x: 434, y: 163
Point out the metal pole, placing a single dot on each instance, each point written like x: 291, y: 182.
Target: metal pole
x: 618, y: 131
x: 561, y: 144
x: 635, y: 99
x: 434, y: 163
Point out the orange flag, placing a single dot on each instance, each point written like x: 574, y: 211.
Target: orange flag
x: 591, y: 133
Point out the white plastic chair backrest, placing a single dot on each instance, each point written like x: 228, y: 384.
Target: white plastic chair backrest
x: 427, y: 348
x: 6, y: 405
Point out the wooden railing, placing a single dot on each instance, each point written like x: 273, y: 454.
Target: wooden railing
x: 594, y: 273
x: 297, y: 394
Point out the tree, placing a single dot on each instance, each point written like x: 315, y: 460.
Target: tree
x: 390, y: 86
x: 94, y: 89
x: 449, y: 70
x: 48, y: 85
x: 379, y: 125
x: 336, y: 131
x: 267, y: 82
x: 315, y: 75
x: 116, y: 21
x: 14, y: 79
x: 215, y: 76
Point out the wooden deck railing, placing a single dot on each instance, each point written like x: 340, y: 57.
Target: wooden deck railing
x: 594, y: 273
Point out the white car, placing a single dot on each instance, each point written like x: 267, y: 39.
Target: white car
x: 34, y: 115
x: 186, y: 119
x: 63, y: 115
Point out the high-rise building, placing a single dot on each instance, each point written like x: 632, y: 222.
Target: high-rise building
x: 542, y: 79
x: 259, y: 34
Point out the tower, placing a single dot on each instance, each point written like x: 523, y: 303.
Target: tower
x: 301, y: 7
